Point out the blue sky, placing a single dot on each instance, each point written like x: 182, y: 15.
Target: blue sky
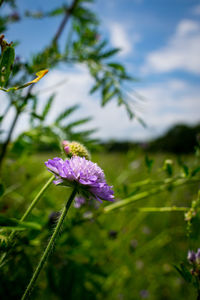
x: 160, y: 42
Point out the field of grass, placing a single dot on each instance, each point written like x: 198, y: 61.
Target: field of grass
x: 126, y: 254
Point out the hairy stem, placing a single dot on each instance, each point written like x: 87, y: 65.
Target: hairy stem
x: 49, y: 247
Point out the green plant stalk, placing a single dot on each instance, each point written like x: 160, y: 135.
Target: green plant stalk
x: 145, y: 194
x: 140, y: 196
x: 49, y: 247
x: 28, y: 211
x: 34, y: 202
x: 161, y: 209
x: 136, y: 209
x: 36, y: 199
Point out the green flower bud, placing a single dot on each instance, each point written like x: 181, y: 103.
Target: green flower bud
x: 75, y: 149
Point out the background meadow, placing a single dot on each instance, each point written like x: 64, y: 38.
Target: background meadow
x: 137, y: 115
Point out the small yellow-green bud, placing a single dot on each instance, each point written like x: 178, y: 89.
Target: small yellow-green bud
x: 75, y: 149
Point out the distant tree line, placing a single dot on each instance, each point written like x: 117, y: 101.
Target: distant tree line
x: 179, y: 139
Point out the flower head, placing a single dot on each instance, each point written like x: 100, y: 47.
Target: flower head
x: 75, y: 149
x: 87, y: 176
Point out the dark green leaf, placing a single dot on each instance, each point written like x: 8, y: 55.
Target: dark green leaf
x: 148, y: 162
x: 66, y: 113
x: 77, y: 123
x: 6, y: 62
x: 35, y: 115
x: 127, y: 106
x: 184, y: 272
x: 57, y: 11
x: 95, y: 87
x: 195, y: 171
x: 185, y: 170
x: 48, y: 106
x: 109, y: 53
x: 108, y: 97
x: 117, y: 66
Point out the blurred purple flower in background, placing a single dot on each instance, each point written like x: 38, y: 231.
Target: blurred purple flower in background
x: 194, y: 257
x: 144, y: 294
x: 191, y: 256
x: 87, y: 176
x: 79, y: 201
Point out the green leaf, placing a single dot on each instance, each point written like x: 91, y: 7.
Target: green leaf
x: 183, y: 271
x: 48, y: 106
x: 195, y: 171
x: 127, y: 106
x: 109, y: 53
x: 95, y: 87
x: 117, y: 66
x: 168, y: 167
x: 148, y: 162
x: 6, y: 62
x: 107, y: 97
x: 185, y: 170
x: 77, y: 123
x: 101, y: 45
x: 57, y: 11
x: 35, y: 115
x: 66, y: 113
x: 14, y: 223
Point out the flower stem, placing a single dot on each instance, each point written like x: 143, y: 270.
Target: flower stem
x: 49, y: 246
x: 37, y: 197
x: 27, y: 213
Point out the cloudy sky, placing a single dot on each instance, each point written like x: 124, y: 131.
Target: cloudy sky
x: 160, y: 45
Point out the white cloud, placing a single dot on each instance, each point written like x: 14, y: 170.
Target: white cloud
x: 196, y: 10
x: 180, y: 53
x: 120, y: 39
x: 171, y: 102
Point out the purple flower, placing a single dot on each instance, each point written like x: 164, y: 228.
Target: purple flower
x: 79, y: 201
x: 194, y: 257
x: 191, y: 256
x: 144, y: 294
x: 87, y: 176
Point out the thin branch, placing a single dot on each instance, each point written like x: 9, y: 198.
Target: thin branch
x: 67, y: 15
